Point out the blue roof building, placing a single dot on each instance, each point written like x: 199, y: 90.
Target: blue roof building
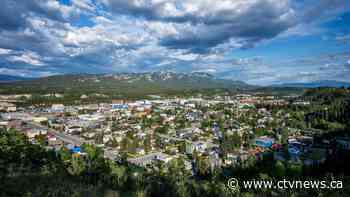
x: 119, y: 106
x: 76, y: 149
x: 264, y: 142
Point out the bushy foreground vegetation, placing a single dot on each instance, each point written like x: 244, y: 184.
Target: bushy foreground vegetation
x: 30, y: 170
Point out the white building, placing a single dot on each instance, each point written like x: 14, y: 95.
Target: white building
x: 57, y: 108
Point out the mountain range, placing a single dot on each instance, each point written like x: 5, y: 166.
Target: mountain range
x: 123, y: 83
x: 138, y: 83
x: 10, y: 78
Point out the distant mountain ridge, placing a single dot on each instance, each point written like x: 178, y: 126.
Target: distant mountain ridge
x: 10, y: 78
x: 135, y: 83
x: 316, y: 84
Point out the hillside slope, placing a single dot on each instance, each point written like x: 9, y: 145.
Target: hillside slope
x: 123, y: 83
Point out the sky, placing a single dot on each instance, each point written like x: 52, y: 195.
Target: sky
x: 260, y: 42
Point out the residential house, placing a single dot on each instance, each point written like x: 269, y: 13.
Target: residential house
x: 57, y: 108
x: 198, y: 146
x: 148, y: 159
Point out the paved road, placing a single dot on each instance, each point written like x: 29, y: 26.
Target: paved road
x: 64, y: 137
x: 67, y: 138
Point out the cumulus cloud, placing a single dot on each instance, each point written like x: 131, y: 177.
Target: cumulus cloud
x: 201, y: 25
x: 26, y: 57
x: 26, y: 72
x: 13, y: 14
x: 202, y: 11
x: 5, y: 51
x: 151, y: 35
